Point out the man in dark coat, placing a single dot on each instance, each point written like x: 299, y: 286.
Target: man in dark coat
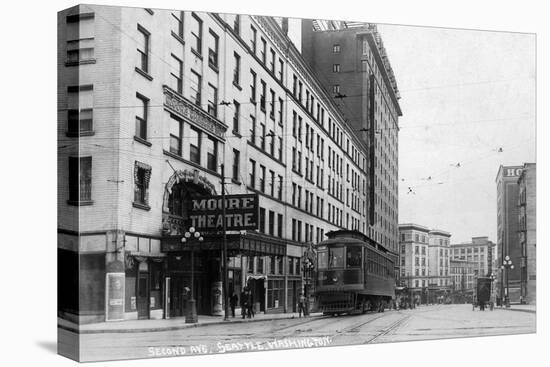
x: 233, y: 302
x: 244, y: 304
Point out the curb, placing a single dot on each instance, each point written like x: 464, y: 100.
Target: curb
x: 172, y: 328
x: 520, y: 310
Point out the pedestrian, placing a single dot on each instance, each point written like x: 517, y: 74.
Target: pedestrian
x: 301, y: 305
x: 250, y: 304
x: 244, y: 304
x: 233, y: 303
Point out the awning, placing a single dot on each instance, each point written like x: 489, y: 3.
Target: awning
x: 249, y: 243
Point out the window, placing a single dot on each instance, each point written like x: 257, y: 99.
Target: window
x: 280, y: 191
x: 281, y: 70
x: 280, y: 225
x: 236, y: 161
x: 212, y: 154
x: 262, y: 136
x: 254, y: 34
x: 143, y: 49
x: 175, y: 135
x: 262, y: 229
x: 271, y: 143
x: 262, y: 178
x: 262, y: 95
x: 236, y: 116
x: 80, y: 38
x: 80, y: 109
x: 212, y: 100
x: 194, y: 145
x: 272, y: 189
x: 176, y: 74
x: 336, y: 257
x: 271, y: 223
x: 80, y: 179
x: 353, y: 256
x: 177, y: 25
x: 237, y: 69
x: 264, y: 49
x: 195, y: 84
x: 365, y: 47
x: 252, y: 130
x: 272, y: 62
x: 335, y: 68
x: 141, y: 116
x: 252, y: 173
x: 237, y: 24
x: 196, y: 33
x: 336, y: 89
x: 336, y: 49
x: 281, y: 105
x: 142, y: 176
x: 280, y: 148
x: 272, y: 104
x: 253, y: 87
x: 213, y: 50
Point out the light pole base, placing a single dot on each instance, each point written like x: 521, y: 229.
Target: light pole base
x: 191, y: 317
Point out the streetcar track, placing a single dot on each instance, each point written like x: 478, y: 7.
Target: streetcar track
x: 390, y: 328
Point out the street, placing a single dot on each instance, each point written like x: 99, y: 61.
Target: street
x: 425, y: 322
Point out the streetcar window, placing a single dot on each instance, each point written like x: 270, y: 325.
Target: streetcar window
x: 353, y: 257
x: 322, y: 260
x: 336, y: 257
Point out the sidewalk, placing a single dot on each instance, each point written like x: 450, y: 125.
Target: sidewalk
x: 139, y: 326
x: 519, y: 307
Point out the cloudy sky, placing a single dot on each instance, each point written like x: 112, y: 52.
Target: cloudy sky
x: 465, y: 96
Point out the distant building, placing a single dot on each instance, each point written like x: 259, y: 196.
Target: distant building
x: 481, y: 252
x: 462, y: 279
x: 508, y: 243
x: 527, y: 231
x: 424, y: 261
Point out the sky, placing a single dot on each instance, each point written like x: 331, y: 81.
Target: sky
x: 465, y: 94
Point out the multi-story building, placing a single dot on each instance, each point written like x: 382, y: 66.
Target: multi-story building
x: 424, y: 261
x: 481, y: 252
x: 462, y: 280
x: 528, y: 231
x: 508, y: 242
x: 351, y: 62
x: 157, y: 107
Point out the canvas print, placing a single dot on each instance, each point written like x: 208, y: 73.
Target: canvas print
x: 234, y: 183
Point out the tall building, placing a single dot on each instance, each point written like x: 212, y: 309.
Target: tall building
x: 480, y: 251
x: 424, y: 262
x: 351, y: 62
x: 508, y: 243
x: 151, y: 104
x: 528, y: 231
x: 462, y: 280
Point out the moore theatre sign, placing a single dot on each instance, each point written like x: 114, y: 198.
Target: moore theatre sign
x: 241, y: 212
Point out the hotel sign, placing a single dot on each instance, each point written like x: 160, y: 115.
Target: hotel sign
x: 241, y: 212
x: 512, y: 171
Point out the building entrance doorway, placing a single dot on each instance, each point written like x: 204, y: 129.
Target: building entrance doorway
x: 143, y: 296
x: 257, y: 287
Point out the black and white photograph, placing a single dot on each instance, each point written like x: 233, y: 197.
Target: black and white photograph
x: 232, y: 183
x: 279, y: 182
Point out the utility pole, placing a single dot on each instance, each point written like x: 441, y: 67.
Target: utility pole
x: 224, y: 250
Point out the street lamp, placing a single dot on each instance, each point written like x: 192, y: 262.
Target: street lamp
x: 191, y: 316
x: 507, y: 265
x: 307, y: 269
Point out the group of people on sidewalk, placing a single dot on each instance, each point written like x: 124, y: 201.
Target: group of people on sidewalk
x: 247, y: 304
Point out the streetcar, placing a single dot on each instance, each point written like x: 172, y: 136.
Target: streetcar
x: 354, y: 274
